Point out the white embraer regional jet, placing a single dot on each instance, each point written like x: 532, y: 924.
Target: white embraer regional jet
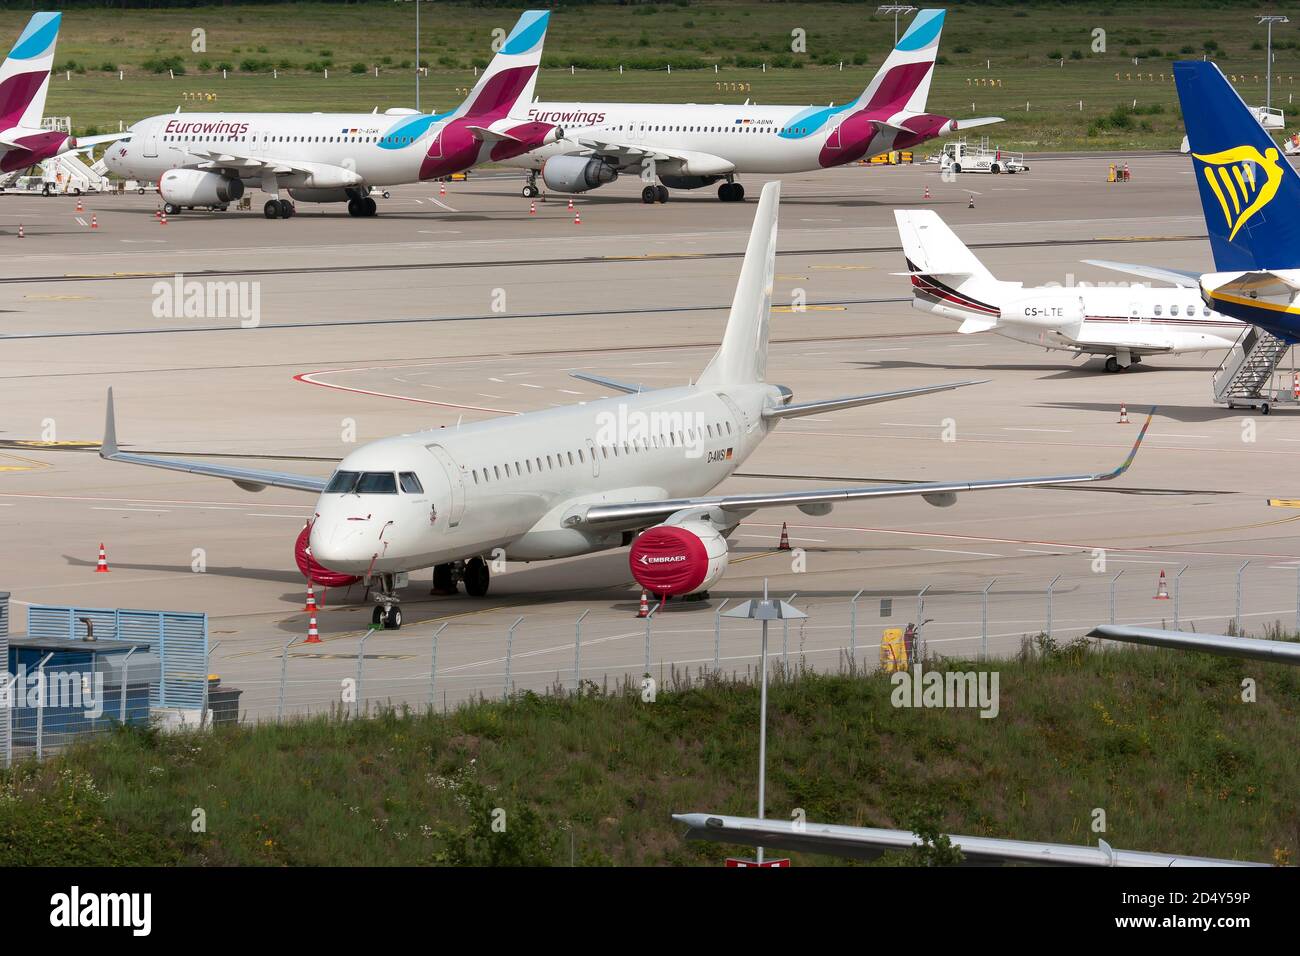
x: 560, y: 482
x: 1123, y: 323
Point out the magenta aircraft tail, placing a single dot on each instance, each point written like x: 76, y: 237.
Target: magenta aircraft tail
x: 25, y: 74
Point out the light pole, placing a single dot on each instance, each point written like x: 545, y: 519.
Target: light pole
x: 896, y: 9
x: 764, y: 611
x: 1268, y: 64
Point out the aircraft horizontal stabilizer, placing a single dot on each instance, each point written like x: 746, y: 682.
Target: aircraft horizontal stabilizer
x: 978, y: 121
x: 1178, y: 277
x: 250, y: 479
x: 835, y: 404
x: 977, y: 325
x: 485, y: 135
x: 607, y: 382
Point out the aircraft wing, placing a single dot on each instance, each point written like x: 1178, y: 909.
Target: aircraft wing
x: 732, y: 508
x: 240, y: 164
x: 1287, y: 652
x: 835, y: 404
x: 867, y: 843
x: 250, y: 479
x: 1178, y: 277
x: 632, y: 155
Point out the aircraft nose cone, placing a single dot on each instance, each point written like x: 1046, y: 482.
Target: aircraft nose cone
x: 338, y: 546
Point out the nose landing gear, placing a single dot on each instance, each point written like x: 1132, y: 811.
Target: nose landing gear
x: 386, y: 614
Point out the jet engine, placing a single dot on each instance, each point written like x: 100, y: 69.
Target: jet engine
x: 673, y: 559
x: 577, y: 174
x: 688, y: 182
x: 313, y: 570
x: 194, y: 187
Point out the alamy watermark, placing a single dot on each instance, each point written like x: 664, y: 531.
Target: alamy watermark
x: 951, y: 689
x: 192, y: 299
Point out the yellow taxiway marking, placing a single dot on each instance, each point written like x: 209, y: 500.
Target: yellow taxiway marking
x: 1142, y: 238
x: 29, y: 464
x: 843, y: 268
x: 57, y: 298
x: 1284, y: 502
x: 114, y: 275
x: 33, y: 443
x: 808, y: 308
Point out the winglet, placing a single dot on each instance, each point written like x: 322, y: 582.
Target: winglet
x: 1136, y: 445
x: 108, y: 447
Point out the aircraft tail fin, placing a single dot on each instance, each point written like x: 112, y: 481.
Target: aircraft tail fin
x: 1249, y: 192
x: 903, y: 80
x: 945, y: 274
x: 25, y: 73
x: 742, y: 357
x: 510, y: 78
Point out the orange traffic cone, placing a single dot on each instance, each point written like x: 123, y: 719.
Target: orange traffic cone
x: 21, y: 233
x: 163, y: 220
x: 442, y: 188
x: 785, y: 539
x: 313, y: 636
x: 577, y: 218
x: 1162, y: 589
x: 1123, y: 414
x: 311, y: 599
x: 79, y: 206
x: 927, y: 192
x: 101, y: 566
x: 570, y: 204
x: 94, y: 223
x: 971, y: 204
x: 645, y: 605
x: 532, y: 208
x: 157, y: 213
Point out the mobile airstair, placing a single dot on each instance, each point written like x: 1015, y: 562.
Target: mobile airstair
x: 1248, y: 376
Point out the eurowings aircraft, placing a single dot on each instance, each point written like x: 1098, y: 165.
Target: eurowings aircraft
x: 207, y: 159
x: 637, y: 468
x: 691, y: 146
x: 1122, y: 323
x: 24, y: 83
x: 1250, y: 195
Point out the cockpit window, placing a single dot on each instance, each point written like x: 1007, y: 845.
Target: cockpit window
x: 377, y: 483
x: 411, y: 483
x: 362, y: 483
x: 342, y: 482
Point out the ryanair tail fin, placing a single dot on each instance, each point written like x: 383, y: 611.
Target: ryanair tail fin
x: 1250, y: 194
x: 510, y: 78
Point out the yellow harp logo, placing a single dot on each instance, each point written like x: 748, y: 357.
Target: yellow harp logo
x: 1234, y: 176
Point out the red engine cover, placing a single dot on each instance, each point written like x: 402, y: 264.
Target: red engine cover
x: 313, y: 570
x: 669, y: 560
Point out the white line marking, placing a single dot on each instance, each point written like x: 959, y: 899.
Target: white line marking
x: 979, y: 554
x: 147, y: 510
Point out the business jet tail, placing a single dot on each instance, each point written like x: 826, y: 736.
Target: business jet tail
x: 510, y: 78
x: 25, y: 73
x: 742, y: 357
x: 946, y: 276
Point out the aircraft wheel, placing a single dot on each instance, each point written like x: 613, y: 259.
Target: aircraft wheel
x: 477, y: 576
x: 662, y: 193
x: 369, y: 207
x: 393, y: 620
x: 443, y: 580
x: 271, y: 210
x: 531, y: 192
x: 737, y: 192
x: 286, y: 209
x: 376, y: 615
x: 354, y: 207
x: 170, y: 209
x: 1112, y: 364
x: 649, y: 195
x: 1265, y: 408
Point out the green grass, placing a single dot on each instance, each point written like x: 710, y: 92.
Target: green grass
x: 1009, y: 44
x: 1160, y: 740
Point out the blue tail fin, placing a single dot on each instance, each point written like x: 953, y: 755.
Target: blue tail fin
x: 1249, y: 192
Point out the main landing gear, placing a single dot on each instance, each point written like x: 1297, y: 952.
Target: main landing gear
x: 530, y: 189
x: 1114, y: 364
x: 474, y: 573
x: 653, y: 194
x: 731, y: 192
x: 365, y: 206
x: 278, y: 209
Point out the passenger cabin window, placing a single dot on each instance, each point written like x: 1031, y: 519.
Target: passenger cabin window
x: 1173, y: 310
x: 411, y: 483
x: 1157, y: 310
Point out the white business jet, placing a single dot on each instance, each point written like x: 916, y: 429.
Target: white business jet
x: 568, y: 481
x: 1122, y: 323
